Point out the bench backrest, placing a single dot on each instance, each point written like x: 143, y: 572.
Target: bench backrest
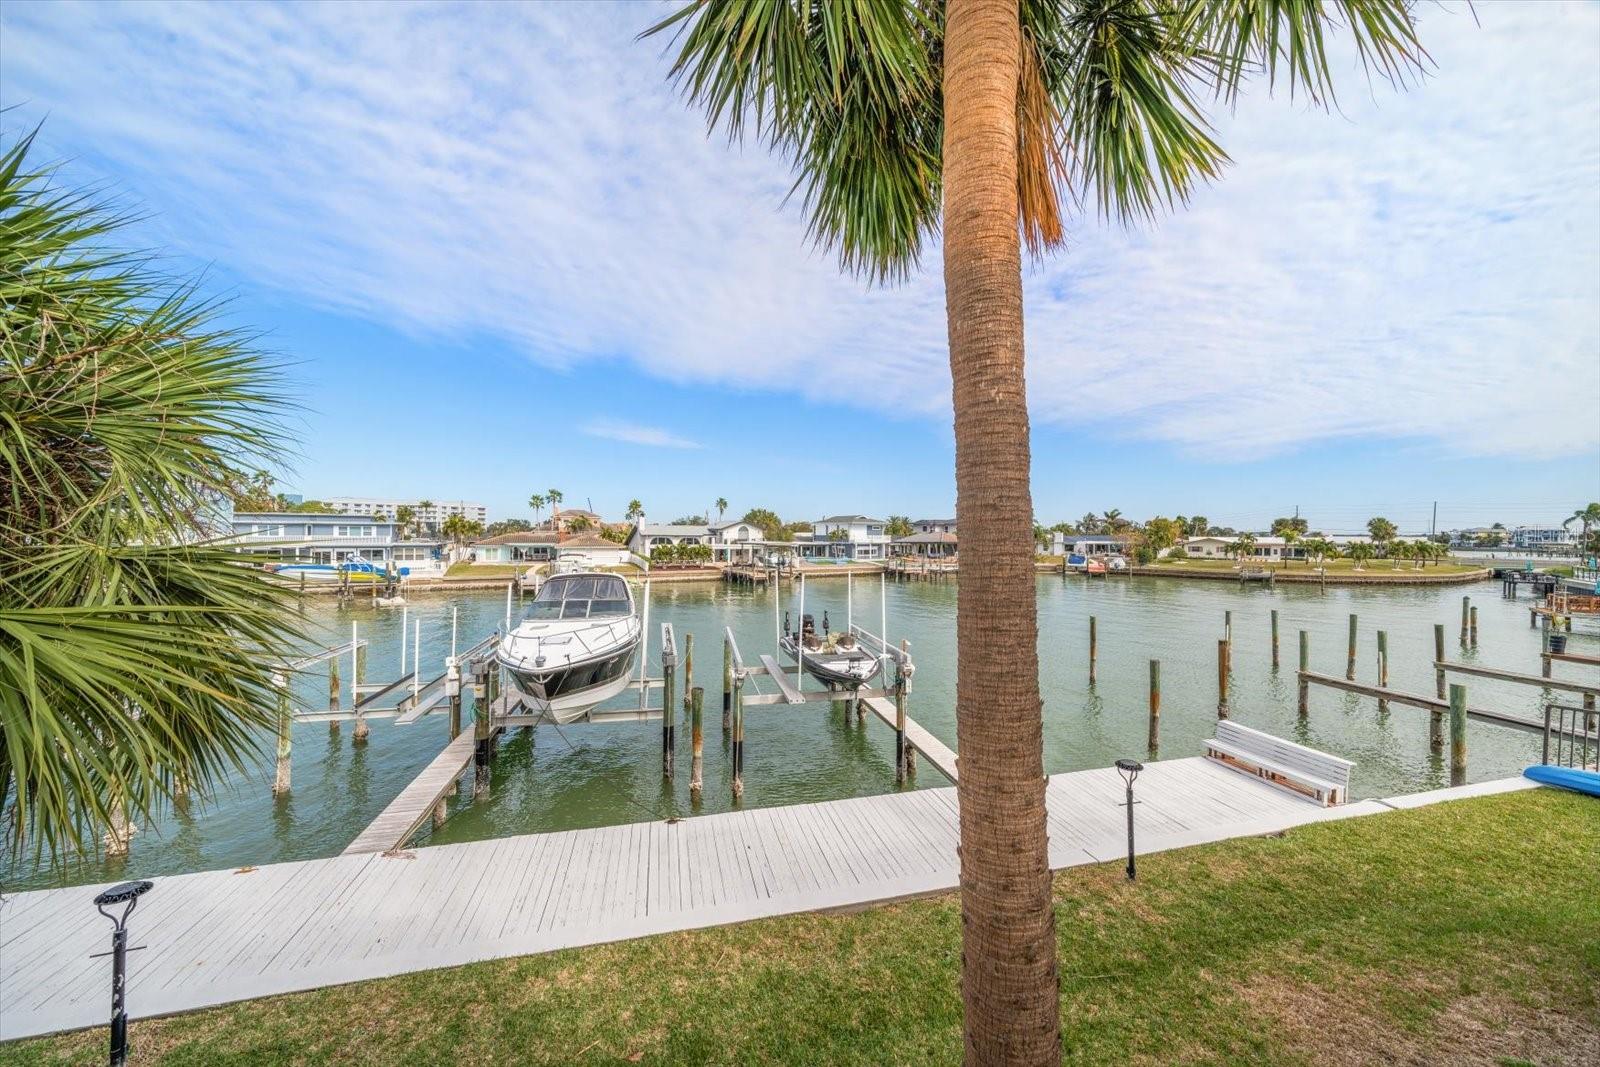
x: 1318, y: 764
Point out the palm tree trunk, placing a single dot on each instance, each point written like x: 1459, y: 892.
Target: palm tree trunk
x: 1010, y: 988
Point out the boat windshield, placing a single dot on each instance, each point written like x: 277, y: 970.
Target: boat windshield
x: 585, y: 596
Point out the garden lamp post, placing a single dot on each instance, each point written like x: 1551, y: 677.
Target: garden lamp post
x: 1129, y: 769
x: 125, y: 893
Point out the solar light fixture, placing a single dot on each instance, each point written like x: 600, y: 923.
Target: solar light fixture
x: 1129, y: 769
x: 127, y: 893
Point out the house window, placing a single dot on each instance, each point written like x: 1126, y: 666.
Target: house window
x: 352, y: 531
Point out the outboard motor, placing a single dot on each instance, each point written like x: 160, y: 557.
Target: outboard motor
x: 786, y: 624
x: 824, y: 624
x: 808, y: 626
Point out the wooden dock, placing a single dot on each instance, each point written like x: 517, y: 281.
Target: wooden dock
x: 222, y: 936
x: 406, y: 813
x: 936, y: 751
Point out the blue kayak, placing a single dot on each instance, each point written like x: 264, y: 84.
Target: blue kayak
x: 1567, y: 778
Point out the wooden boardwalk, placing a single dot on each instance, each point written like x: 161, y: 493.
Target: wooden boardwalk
x: 937, y: 752
x: 405, y: 813
x: 222, y: 936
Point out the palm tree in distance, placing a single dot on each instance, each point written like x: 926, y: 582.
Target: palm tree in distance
x: 536, y: 504
x: 423, y: 508
x: 1587, y: 516
x: 635, y: 510
x: 1360, y: 552
x: 722, y: 506
x: 979, y: 119
x: 554, y: 496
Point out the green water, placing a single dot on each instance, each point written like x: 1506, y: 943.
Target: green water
x: 590, y: 775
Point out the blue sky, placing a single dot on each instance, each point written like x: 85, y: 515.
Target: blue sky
x: 504, y: 256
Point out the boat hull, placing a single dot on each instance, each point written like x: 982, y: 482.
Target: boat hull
x: 846, y: 670
x: 570, y: 691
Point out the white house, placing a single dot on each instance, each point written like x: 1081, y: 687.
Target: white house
x: 934, y: 526
x: 1542, y: 537
x: 931, y: 545
x: 542, y: 546
x: 645, y: 536
x: 841, y: 537
x: 1091, y: 544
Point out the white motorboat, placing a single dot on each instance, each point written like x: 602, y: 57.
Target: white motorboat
x: 576, y: 647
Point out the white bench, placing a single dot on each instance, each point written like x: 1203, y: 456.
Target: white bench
x: 1323, y: 778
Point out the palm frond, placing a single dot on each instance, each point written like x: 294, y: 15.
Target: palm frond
x: 1289, y: 39
x: 133, y: 658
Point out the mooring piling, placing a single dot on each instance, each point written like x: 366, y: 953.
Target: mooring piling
x: 1350, y: 661
x: 727, y: 681
x: 1383, y: 667
x: 452, y: 692
x: 1438, y: 657
x: 280, y: 781
x: 688, y: 674
x: 1093, y: 647
x: 1227, y: 631
x: 1473, y: 628
x: 480, y: 727
x: 697, y: 697
x: 1155, y: 706
x: 1303, y: 704
x: 905, y: 756
x: 738, y: 736
x: 1274, y: 638
x: 669, y: 710
x: 1458, y: 735
x: 1222, y: 678
x: 333, y: 684
x: 1466, y: 612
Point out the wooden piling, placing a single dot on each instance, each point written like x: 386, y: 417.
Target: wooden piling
x: 727, y: 685
x: 1458, y: 735
x: 1222, y: 678
x: 1094, y: 639
x: 1274, y: 638
x: 1227, y: 631
x: 697, y: 698
x: 452, y: 692
x: 1466, y: 612
x: 1303, y: 705
x: 1438, y: 657
x: 688, y: 672
x: 1155, y: 706
x: 1383, y: 667
x: 905, y: 757
x: 1473, y: 629
x: 333, y: 690
x: 1350, y: 661
x: 480, y: 727
x: 669, y: 713
x: 738, y: 737
x: 280, y: 781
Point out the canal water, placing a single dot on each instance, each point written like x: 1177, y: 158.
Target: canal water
x: 590, y: 775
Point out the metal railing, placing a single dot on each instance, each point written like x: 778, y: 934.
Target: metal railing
x: 1571, y: 737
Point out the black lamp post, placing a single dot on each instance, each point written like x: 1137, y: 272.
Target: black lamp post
x: 1129, y: 769
x: 126, y: 893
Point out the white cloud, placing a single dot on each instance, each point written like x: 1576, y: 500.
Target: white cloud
x: 634, y: 434
x: 1423, y: 265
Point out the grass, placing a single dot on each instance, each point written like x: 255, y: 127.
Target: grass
x: 465, y: 570
x: 1461, y: 933
x: 1377, y: 568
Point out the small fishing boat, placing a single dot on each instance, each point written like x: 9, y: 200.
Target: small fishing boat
x: 835, y: 659
x: 1094, y: 566
x: 355, y: 569
x: 1077, y: 561
x: 576, y: 647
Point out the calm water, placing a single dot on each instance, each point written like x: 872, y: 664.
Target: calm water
x: 582, y: 775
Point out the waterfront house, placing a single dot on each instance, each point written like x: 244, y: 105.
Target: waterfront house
x: 542, y: 546
x: 934, y: 526
x: 925, y: 545
x: 568, y: 516
x: 645, y: 536
x: 845, y: 537
x: 1094, y: 545
x: 330, y: 538
x: 1542, y: 537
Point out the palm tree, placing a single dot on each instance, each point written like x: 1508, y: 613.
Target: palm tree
x: 137, y: 658
x: 1198, y: 525
x: 1089, y: 524
x: 1360, y: 552
x: 423, y: 507
x: 1291, y: 537
x: 1587, y: 516
x: 722, y: 506
x: 635, y: 510
x: 977, y: 119
x: 554, y: 496
x: 1114, y: 521
x: 536, y: 504
x: 1399, y: 550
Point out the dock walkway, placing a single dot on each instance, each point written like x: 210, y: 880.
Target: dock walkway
x: 222, y: 936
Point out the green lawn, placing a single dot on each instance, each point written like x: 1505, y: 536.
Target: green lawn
x: 1462, y: 933
x: 464, y: 569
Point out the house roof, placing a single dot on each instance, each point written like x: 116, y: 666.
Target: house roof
x: 588, y: 541
x: 933, y: 522
x: 1120, y: 539
x: 672, y: 530
x: 836, y: 520
x: 520, y: 537
x: 927, y: 539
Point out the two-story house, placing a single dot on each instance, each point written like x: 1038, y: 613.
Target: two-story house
x: 846, y: 537
x: 313, y: 537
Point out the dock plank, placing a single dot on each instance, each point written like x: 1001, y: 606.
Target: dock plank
x: 403, y: 817
x: 936, y: 751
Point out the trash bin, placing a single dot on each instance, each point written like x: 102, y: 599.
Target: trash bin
x: 1558, y: 643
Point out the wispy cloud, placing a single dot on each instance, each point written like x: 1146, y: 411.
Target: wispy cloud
x: 1422, y: 265
x: 634, y: 434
